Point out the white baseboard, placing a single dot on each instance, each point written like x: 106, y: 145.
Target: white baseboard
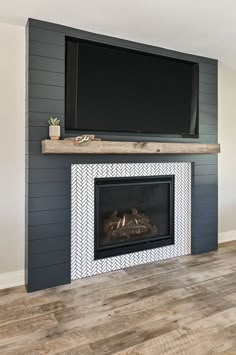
x: 227, y: 236
x: 11, y: 279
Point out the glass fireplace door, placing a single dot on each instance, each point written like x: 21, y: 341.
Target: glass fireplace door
x: 133, y: 214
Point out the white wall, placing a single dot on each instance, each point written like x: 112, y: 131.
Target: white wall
x: 227, y: 157
x: 12, y: 153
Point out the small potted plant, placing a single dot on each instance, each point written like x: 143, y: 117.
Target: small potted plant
x: 54, y: 128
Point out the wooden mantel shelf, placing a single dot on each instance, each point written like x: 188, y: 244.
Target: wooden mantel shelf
x: 113, y: 147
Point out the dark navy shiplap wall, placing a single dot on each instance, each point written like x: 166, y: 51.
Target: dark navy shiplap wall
x: 48, y: 177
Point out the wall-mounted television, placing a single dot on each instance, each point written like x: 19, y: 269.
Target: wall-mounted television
x: 121, y: 90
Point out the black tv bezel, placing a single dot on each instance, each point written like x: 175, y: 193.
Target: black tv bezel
x: 124, y: 135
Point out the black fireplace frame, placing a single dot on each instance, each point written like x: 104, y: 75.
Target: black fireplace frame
x: 140, y: 245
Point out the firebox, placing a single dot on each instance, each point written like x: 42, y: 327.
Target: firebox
x: 133, y: 214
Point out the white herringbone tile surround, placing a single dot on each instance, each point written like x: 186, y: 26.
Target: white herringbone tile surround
x: 82, y: 216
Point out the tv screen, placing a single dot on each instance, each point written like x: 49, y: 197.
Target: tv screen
x: 114, y: 89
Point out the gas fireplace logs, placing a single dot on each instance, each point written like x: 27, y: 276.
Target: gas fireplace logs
x: 128, y: 226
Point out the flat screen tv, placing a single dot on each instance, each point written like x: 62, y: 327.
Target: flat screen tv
x: 120, y: 90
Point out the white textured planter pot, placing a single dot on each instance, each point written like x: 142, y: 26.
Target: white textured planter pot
x: 54, y: 132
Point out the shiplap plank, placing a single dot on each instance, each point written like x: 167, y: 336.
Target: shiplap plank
x: 208, y: 245
x: 49, y: 189
x: 64, y: 174
x: 205, y: 179
x: 207, y: 118
x: 207, y: 78
x: 37, y: 76
x: 209, y: 99
x: 46, y: 162
x: 46, y: 50
x: 208, y: 68
x: 208, y: 88
x: 46, y: 36
x: 207, y: 226
x: 201, y: 211
x: 49, y: 258
x: 46, y: 64
x: 46, y: 92
x: 49, y: 231
x: 50, y: 276
x: 206, y: 108
x: 200, y: 169
x: 49, y: 175
x: 45, y: 216
x: 208, y: 129
x: 37, y: 204
x: 46, y: 105
x: 40, y: 246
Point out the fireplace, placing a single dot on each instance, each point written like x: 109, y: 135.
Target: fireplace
x: 128, y: 214
x: 133, y: 214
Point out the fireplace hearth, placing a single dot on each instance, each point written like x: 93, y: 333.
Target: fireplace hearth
x: 133, y: 214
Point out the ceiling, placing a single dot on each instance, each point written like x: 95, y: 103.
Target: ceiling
x: 203, y: 27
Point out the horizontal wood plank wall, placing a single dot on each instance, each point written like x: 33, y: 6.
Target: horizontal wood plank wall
x: 48, y: 177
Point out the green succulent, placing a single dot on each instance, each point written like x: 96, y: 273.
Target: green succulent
x: 53, y: 121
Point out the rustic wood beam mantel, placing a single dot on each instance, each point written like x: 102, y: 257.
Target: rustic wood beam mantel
x: 113, y: 147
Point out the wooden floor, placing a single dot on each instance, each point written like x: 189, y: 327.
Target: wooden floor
x: 184, y: 306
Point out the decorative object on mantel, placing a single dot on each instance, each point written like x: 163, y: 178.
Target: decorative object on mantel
x: 54, y: 128
x: 129, y: 226
x: 85, y: 138
x: 69, y: 146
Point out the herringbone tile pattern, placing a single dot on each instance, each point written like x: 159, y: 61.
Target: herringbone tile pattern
x: 82, y: 223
